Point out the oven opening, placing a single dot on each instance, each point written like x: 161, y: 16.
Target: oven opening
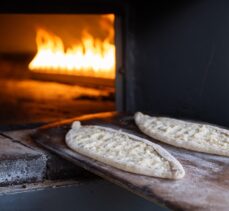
x: 57, y: 66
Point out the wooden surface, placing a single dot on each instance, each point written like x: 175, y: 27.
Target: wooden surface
x: 205, y: 186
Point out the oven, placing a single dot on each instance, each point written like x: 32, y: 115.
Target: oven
x: 62, y: 63
x: 102, y: 60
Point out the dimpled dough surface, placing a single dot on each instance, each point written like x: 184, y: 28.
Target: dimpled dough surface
x: 184, y: 134
x: 123, y: 151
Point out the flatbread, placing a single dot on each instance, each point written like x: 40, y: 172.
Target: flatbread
x: 192, y: 136
x: 123, y: 151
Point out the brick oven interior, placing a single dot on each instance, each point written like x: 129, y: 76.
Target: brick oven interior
x: 171, y: 59
x: 33, y: 97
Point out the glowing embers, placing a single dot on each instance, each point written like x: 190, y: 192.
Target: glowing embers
x: 92, y: 57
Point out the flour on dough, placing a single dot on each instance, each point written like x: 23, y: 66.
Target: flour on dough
x: 123, y: 151
x: 193, y: 136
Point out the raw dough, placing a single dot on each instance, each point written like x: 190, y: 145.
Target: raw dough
x: 123, y: 151
x: 193, y: 136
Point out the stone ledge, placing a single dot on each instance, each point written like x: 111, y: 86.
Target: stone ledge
x: 22, y: 160
x: 19, y: 163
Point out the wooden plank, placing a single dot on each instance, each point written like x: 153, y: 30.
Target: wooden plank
x: 205, y: 186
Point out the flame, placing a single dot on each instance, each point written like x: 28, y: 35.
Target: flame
x: 92, y: 57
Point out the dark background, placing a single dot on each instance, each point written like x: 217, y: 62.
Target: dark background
x: 176, y: 53
x: 182, y: 60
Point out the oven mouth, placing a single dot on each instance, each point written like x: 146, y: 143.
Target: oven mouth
x: 47, y: 59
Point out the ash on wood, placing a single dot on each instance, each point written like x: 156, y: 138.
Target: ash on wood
x: 205, y: 186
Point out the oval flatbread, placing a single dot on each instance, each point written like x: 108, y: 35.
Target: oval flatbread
x: 193, y: 136
x: 123, y: 151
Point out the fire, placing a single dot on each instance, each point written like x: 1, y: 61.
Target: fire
x: 92, y: 57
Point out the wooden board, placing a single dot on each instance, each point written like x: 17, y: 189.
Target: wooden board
x: 205, y: 186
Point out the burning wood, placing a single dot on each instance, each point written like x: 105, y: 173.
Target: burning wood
x: 91, y: 57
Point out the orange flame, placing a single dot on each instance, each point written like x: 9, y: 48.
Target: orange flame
x: 92, y: 57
